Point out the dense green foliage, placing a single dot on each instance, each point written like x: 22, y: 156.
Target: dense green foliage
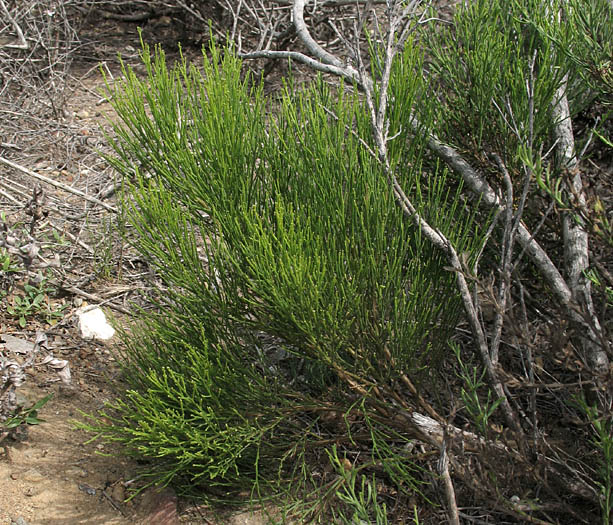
x: 498, y: 98
x: 294, y: 283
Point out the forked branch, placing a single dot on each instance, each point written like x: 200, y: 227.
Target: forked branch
x: 22, y: 42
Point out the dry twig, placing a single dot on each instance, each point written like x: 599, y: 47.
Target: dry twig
x: 22, y: 42
x: 57, y: 184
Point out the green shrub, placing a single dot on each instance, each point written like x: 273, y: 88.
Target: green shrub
x: 296, y: 292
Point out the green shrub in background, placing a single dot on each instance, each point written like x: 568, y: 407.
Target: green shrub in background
x: 297, y: 293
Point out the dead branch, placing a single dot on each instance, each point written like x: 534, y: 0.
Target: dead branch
x: 443, y: 468
x: 99, y: 301
x: 131, y: 17
x: 57, y: 184
x: 576, y: 241
x: 304, y: 59
x: 479, y: 186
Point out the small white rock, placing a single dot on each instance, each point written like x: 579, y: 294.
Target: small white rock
x: 93, y: 325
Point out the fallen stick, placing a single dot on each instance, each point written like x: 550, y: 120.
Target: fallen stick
x: 99, y: 300
x: 57, y: 184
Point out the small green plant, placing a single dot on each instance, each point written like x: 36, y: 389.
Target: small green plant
x: 58, y: 238
x: 596, y: 280
x: 109, y: 250
x: 34, y: 302
x: 7, y: 263
x: 8, y: 269
x: 602, y: 427
x: 358, y: 493
x: 479, y: 410
x: 26, y: 305
x: 29, y: 416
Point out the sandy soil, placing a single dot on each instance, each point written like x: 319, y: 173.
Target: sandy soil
x: 54, y: 476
